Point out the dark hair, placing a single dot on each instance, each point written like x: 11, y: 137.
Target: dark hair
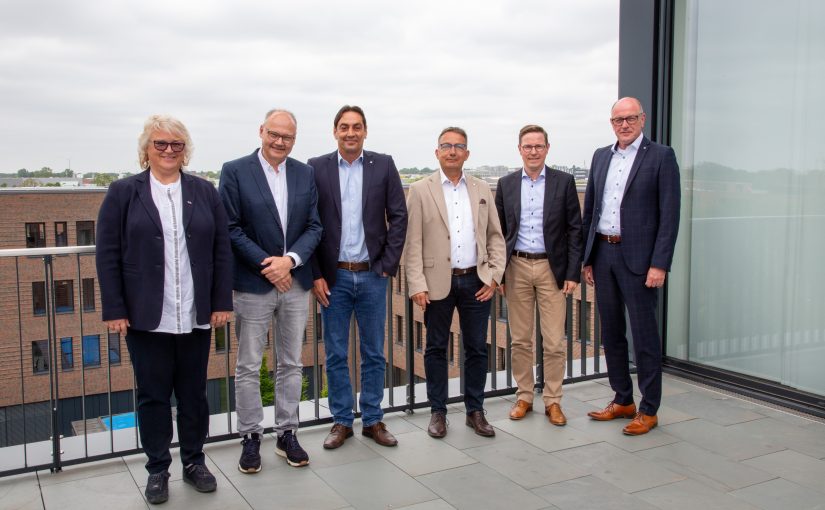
x: 453, y: 129
x: 532, y: 128
x: 348, y: 108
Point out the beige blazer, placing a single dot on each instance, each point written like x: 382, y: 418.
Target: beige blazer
x: 427, y: 251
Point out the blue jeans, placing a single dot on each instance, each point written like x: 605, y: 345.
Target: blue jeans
x: 365, y: 293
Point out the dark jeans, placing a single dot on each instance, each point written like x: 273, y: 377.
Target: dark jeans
x: 616, y: 288
x: 473, y: 316
x: 164, y: 362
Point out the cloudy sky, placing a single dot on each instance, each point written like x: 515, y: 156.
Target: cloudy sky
x: 78, y: 78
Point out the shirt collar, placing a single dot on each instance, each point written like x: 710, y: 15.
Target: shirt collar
x: 524, y: 174
x: 342, y: 161
x: 445, y: 179
x: 633, y: 146
x: 172, y: 185
x: 267, y: 167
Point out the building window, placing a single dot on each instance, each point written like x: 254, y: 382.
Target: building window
x: 397, y: 282
x: 91, y: 350
x: 63, y: 296
x: 451, y: 349
x: 88, y: 294
x: 85, y: 233
x: 35, y: 235
x: 220, y: 339
x: 399, y: 330
x: 40, y: 356
x: 502, y: 308
x: 39, y: 298
x: 419, y: 336
x: 500, y: 358
x: 66, y: 353
x: 61, y: 238
x: 319, y: 333
x: 114, y: 349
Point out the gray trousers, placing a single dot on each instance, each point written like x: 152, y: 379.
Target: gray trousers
x: 253, y: 316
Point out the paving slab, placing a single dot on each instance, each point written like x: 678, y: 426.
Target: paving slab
x: 717, y: 408
x: 589, y: 493
x: 690, y: 495
x: 21, y: 492
x: 721, y: 439
x: 780, y: 494
x: 793, y: 466
x: 417, y: 453
x: 116, y: 490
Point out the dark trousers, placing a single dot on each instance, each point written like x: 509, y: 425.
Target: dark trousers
x: 617, y: 287
x: 165, y: 362
x: 473, y: 316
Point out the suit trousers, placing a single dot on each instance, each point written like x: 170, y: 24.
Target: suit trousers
x: 163, y: 363
x: 530, y: 282
x: 253, y: 315
x: 617, y: 287
x: 473, y: 316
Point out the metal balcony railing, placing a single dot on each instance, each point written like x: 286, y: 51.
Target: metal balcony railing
x: 68, y: 392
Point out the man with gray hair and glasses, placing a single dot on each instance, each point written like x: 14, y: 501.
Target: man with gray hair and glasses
x: 271, y: 203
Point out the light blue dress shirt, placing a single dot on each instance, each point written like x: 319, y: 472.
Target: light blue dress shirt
x: 530, y: 232
x: 351, y: 177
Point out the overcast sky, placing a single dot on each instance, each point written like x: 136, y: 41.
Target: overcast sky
x: 78, y: 78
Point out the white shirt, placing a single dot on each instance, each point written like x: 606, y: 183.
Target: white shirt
x: 276, y: 179
x: 530, y: 237
x: 178, y: 314
x: 463, y: 252
x: 610, y: 221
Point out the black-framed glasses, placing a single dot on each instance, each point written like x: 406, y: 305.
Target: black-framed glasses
x: 630, y: 119
x: 274, y: 136
x: 531, y: 148
x: 161, y: 145
x: 460, y: 147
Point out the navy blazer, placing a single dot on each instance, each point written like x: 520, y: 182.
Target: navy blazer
x: 649, y: 208
x: 384, y: 214
x: 254, y: 224
x: 562, y: 222
x: 130, y: 246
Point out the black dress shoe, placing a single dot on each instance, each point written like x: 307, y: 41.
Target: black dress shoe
x: 478, y: 422
x: 157, y: 488
x: 438, y: 425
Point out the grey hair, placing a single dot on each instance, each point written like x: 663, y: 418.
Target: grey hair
x: 163, y: 123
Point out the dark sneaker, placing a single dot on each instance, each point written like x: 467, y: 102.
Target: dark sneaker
x: 251, y: 455
x: 198, y: 476
x: 157, y: 488
x: 288, y: 447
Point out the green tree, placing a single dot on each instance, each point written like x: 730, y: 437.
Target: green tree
x: 30, y: 182
x: 267, y: 384
x: 104, y: 179
x: 22, y: 173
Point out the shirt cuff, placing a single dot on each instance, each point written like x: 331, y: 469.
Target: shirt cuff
x: 296, y: 258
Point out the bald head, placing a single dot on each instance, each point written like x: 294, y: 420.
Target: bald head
x: 625, y: 102
x: 628, y: 119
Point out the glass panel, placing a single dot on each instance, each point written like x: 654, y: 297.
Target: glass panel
x: 745, y: 294
x: 60, y: 237
x: 91, y: 350
x: 40, y: 356
x: 35, y: 235
x: 38, y: 298
x: 85, y: 233
x: 64, y: 295
x: 88, y: 294
x: 66, y: 353
x: 114, y: 348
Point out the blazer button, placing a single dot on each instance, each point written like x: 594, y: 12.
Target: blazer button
x: 159, y: 238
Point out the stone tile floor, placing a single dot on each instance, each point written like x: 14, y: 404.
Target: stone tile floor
x: 711, y: 451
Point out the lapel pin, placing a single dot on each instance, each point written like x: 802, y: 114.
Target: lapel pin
x: 189, y: 202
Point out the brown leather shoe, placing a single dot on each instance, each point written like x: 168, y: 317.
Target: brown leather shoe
x: 478, y: 422
x: 520, y: 409
x: 613, y: 411
x: 337, y: 436
x: 378, y: 432
x: 641, y: 424
x: 555, y: 415
x: 438, y: 425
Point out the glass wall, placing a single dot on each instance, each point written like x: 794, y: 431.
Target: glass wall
x: 748, y: 127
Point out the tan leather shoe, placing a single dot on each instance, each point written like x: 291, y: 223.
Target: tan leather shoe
x: 613, y: 411
x: 641, y: 424
x: 555, y: 416
x: 478, y: 422
x: 337, y: 436
x: 438, y: 425
x: 378, y: 432
x: 520, y: 410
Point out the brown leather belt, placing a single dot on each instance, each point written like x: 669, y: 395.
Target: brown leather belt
x: 354, y: 266
x: 612, y: 239
x: 529, y: 256
x: 462, y: 272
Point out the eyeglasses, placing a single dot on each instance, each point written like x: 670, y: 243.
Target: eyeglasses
x: 287, y: 139
x: 459, y: 147
x: 161, y: 145
x: 531, y: 148
x: 631, y: 120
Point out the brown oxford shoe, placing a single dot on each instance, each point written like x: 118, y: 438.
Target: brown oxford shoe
x: 555, y: 415
x: 520, y: 410
x: 478, y: 422
x: 641, y: 424
x: 337, y: 436
x: 613, y: 411
x: 438, y: 425
x: 378, y: 432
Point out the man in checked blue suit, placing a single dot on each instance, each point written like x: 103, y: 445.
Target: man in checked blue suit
x: 361, y: 204
x: 271, y: 203
x: 631, y: 218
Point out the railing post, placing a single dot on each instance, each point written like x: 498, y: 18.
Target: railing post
x: 493, y: 345
x: 410, y: 359
x: 54, y: 394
